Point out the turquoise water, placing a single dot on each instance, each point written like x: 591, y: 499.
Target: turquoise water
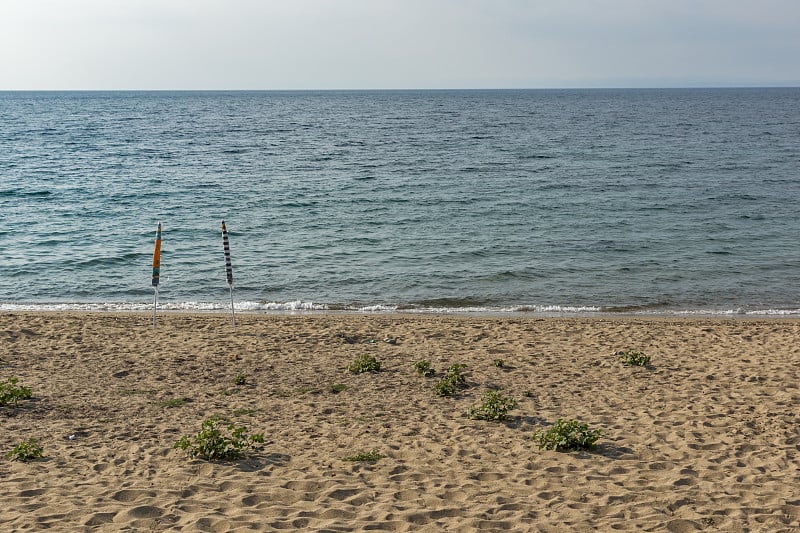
x: 562, y: 201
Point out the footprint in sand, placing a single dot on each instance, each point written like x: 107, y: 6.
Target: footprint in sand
x: 145, y: 511
x: 130, y: 495
x: 99, y: 519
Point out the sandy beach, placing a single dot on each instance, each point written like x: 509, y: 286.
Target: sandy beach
x: 704, y: 439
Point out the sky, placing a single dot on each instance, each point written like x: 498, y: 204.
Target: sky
x: 396, y: 44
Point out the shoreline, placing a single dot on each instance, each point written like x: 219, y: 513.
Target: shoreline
x: 703, y: 438
x: 769, y: 314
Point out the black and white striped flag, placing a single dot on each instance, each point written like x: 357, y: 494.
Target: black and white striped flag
x: 227, y: 246
x: 228, y: 269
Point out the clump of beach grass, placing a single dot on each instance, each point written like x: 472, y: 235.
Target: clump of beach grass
x: 11, y: 392
x: 633, y: 357
x: 219, y: 440
x: 364, y: 363
x: 368, y: 457
x: 453, y: 380
x: 566, y: 435
x: 424, y: 367
x: 495, y: 407
x: 26, y: 450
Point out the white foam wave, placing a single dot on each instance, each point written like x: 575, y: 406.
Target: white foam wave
x: 309, y: 306
x: 378, y: 308
x: 244, y: 306
x: 297, y: 305
x: 742, y: 312
x: 737, y: 312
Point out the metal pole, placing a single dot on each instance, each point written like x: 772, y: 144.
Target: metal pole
x: 233, y: 314
x: 155, y: 304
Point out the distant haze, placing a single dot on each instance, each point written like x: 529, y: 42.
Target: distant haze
x: 396, y: 44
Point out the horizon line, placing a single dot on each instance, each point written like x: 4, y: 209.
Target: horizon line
x: 420, y: 89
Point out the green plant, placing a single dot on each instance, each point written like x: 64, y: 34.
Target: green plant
x: 220, y: 440
x: 25, y: 451
x: 364, y: 363
x: 336, y: 388
x: 495, y: 406
x: 424, y: 368
x: 567, y: 435
x: 499, y: 363
x: 452, y: 381
x: 445, y: 387
x: 10, y: 392
x: 173, y: 402
x: 240, y: 379
x: 370, y: 456
x: 454, y: 370
x: 633, y: 358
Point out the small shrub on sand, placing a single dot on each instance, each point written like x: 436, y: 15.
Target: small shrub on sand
x: 495, y: 407
x: 173, y: 402
x: 424, y: 368
x: 369, y: 457
x: 336, y: 388
x: 499, y: 363
x: 220, y: 441
x: 445, y: 387
x: 10, y: 392
x: 633, y: 358
x: 452, y: 381
x: 240, y: 379
x: 364, y: 363
x: 25, y: 451
x: 567, y: 435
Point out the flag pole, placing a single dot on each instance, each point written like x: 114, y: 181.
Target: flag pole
x: 233, y: 315
x: 156, y: 271
x: 228, y: 269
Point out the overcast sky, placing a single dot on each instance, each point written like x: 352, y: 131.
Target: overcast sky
x: 400, y: 44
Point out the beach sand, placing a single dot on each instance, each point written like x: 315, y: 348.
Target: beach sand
x: 705, y: 438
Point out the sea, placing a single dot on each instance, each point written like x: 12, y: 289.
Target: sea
x: 553, y: 202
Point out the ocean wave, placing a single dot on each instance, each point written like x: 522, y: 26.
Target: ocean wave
x: 293, y: 306
x: 743, y: 312
x: 309, y: 306
x: 22, y: 193
x: 245, y: 306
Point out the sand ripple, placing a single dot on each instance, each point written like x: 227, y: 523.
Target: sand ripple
x: 705, y: 439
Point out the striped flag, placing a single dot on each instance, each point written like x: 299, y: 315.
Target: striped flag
x: 157, y: 257
x: 226, y: 245
x: 228, y: 269
x: 156, y: 271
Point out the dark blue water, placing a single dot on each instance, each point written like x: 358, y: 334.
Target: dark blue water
x: 666, y: 201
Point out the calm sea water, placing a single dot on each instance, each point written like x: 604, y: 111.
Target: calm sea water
x: 664, y: 201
